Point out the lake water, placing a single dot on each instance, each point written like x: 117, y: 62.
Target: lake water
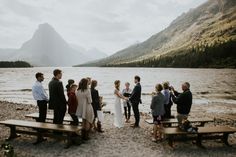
x: 207, y: 85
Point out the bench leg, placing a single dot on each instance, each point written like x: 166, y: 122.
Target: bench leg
x: 13, y: 134
x: 202, y: 124
x: 225, y: 139
x: 68, y: 140
x: 199, y: 141
x: 171, y: 141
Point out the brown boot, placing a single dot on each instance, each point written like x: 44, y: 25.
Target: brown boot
x: 99, y: 127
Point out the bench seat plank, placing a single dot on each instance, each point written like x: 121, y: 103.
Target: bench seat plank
x: 38, y: 125
x: 50, y: 117
x: 174, y: 120
x: 201, y: 130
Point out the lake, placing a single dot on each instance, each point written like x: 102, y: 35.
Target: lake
x: 207, y: 85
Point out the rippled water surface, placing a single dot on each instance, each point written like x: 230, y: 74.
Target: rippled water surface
x: 207, y: 85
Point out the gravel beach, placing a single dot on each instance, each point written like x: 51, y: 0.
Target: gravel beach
x: 124, y: 141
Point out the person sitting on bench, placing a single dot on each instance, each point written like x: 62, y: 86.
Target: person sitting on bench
x: 183, y: 101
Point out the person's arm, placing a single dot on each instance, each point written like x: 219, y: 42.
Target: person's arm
x: 177, y: 99
x: 61, y: 92
x: 133, y: 94
x: 152, y: 103
x: 119, y: 95
x: 89, y: 97
x: 43, y: 93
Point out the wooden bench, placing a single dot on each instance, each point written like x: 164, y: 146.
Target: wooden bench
x: 169, y: 122
x: 204, y: 133
x: 67, y: 118
x: 66, y: 130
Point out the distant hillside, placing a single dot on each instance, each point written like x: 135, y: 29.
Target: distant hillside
x: 203, y: 37
x: 47, y: 48
x: 17, y: 64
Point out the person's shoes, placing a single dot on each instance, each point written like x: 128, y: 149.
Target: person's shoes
x: 135, y: 126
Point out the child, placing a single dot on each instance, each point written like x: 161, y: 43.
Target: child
x: 70, y: 82
x: 127, y: 92
x: 72, y: 103
x: 158, y: 110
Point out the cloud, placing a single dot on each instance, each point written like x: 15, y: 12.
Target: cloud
x: 108, y: 25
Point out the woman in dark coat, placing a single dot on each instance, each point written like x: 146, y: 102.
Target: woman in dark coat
x: 96, y: 104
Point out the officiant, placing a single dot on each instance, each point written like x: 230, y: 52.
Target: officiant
x: 127, y: 106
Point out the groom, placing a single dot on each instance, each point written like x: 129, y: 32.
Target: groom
x: 135, y: 99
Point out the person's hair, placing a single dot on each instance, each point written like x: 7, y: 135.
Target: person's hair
x: 159, y: 87
x: 166, y: 85
x: 72, y: 86
x: 187, y: 84
x: 127, y: 83
x: 94, y: 83
x: 39, y: 74
x: 70, y: 81
x: 56, y: 72
x: 137, y: 78
x: 83, y: 84
x: 117, y: 83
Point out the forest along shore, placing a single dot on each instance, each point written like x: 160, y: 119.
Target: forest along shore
x: 121, y: 142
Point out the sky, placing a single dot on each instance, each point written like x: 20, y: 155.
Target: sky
x: 108, y: 25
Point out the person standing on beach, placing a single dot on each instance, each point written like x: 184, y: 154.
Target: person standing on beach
x: 135, y: 99
x: 117, y: 108
x: 183, y: 101
x: 57, y: 99
x: 96, y: 105
x: 127, y: 107
x: 168, y: 103
x: 72, y: 104
x: 158, y: 110
x: 40, y: 96
x: 84, y: 108
x: 70, y: 82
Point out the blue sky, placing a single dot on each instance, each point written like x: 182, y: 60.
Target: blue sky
x: 109, y: 25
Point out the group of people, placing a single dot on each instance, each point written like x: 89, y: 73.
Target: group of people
x: 84, y: 102
x: 161, y: 103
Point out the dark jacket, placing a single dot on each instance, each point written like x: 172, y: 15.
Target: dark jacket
x: 95, y: 99
x: 72, y: 103
x: 135, y: 97
x: 183, y: 101
x: 57, y: 98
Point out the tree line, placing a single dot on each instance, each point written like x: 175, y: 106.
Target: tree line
x: 16, y: 64
x: 218, y: 55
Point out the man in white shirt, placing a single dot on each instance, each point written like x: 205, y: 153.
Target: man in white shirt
x: 40, y: 96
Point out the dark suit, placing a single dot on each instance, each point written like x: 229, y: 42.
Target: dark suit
x: 57, y: 100
x: 95, y: 101
x: 135, y: 99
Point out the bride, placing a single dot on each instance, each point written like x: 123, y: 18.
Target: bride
x: 118, y: 111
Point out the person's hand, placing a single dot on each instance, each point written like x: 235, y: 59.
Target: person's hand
x: 126, y: 98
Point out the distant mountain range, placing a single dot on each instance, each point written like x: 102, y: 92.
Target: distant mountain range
x: 48, y: 48
x: 202, y: 37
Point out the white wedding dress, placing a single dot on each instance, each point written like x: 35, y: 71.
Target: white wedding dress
x: 118, y: 112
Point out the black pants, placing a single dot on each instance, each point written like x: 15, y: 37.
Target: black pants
x: 127, y: 112
x: 42, y: 105
x: 75, y: 120
x: 136, y: 113
x: 167, y: 111
x: 59, y: 114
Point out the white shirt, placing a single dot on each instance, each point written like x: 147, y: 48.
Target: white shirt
x: 39, y: 92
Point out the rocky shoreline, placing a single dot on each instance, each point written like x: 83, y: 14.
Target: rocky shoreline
x: 121, y: 142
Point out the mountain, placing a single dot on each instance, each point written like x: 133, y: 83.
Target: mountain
x: 93, y: 53
x: 202, y: 37
x: 46, y: 48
